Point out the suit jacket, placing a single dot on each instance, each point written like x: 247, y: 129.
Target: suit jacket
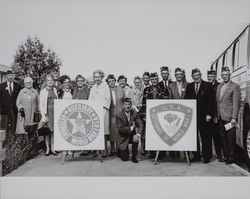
x: 124, y: 131
x: 148, y: 94
x: 165, y: 91
x: 174, y: 90
x: 204, y: 98
x: 8, y: 101
x: 215, y: 85
x: 228, y: 106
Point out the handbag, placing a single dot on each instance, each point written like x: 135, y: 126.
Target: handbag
x: 37, y: 116
x: 44, y: 130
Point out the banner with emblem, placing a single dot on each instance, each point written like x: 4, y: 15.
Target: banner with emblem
x: 78, y: 125
x: 171, y: 125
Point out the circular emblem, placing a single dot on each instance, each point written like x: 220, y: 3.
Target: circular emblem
x: 79, y: 124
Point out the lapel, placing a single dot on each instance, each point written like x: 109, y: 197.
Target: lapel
x: 125, y: 118
x: 218, y: 92
x: 227, y: 89
x: 200, y: 88
x: 7, y: 90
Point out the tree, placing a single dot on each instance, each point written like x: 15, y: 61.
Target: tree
x: 31, y: 59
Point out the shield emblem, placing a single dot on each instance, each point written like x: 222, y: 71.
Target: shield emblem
x: 171, y: 121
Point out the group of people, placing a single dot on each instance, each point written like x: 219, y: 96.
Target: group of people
x: 124, y: 108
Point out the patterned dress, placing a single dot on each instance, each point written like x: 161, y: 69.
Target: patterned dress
x: 50, y: 107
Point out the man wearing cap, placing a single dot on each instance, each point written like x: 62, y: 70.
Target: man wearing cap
x: 211, y: 77
x: 164, y: 84
x: 127, y: 121
x: 9, y: 91
x: 228, y: 105
x: 202, y: 91
x: 178, y: 90
x: 151, y: 92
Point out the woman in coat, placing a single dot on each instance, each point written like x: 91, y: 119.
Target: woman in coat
x: 47, y: 97
x: 101, y: 91
x: 82, y: 90
x: 27, y: 104
x: 117, y: 94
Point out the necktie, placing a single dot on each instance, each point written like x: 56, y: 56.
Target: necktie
x: 10, y: 89
x: 196, y: 88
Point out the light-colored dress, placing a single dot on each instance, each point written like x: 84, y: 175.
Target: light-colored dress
x: 136, y: 95
x: 28, y: 99
x: 102, y: 92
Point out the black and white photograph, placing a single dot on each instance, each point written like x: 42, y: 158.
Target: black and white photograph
x: 150, y: 98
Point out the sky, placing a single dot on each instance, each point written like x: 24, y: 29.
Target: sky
x: 124, y: 37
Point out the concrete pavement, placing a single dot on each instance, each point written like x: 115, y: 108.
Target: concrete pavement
x: 113, y: 166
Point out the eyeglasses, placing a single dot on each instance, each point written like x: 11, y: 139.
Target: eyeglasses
x: 66, y: 82
x: 80, y: 81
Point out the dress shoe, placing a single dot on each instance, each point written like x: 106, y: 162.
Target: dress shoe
x: 151, y: 156
x: 229, y: 161
x: 112, y: 154
x: 206, y: 161
x: 143, y: 153
x: 104, y: 156
x: 54, y: 153
x: 47, y: 154
x: 220, y: 159
x: 134, y: 160
x: 195, y: 159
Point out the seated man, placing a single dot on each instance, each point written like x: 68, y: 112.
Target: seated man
x: 127, y: 121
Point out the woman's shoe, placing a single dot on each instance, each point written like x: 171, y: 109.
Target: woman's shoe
x: 54, y: 153
x: 47, y: 154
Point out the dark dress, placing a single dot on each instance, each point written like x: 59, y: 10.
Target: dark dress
x: 50, y: 107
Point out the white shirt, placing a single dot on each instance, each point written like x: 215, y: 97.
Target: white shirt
x: 67, y: 95
x: 179, y: 86
x: 223, y: 89
x: 197, y: 87
x: 10, y: 84
x: 113, y: 96
x: 128, y: 115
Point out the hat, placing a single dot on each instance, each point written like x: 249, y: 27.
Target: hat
x: 196, y: 70
x: 10, y: 71
x: 211, y: 72
x: 122, y: 77
x: 225, y: 68
x: 164, y: 68
x: 126, y: 99
x: 153, y: 75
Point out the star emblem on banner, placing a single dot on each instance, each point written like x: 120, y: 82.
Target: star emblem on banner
x: 79, y: 125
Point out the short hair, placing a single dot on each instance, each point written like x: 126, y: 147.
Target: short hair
x: 48, y: 76
x: 100, y: 72
x: 122, y: 77
x: 80, y: 77
x: 27, y: 78
x: 110, y: 76
x: 137, y: 77
x: 196, y: 70
x: 126, y: 99
x: 178, y: 69
x: 164, y: 68
x: 63, y: 78
x: 146, y: 74
x: 153, y: 75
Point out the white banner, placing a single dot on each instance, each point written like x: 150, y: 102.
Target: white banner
x: 171, y: 125
x: 78, y: 125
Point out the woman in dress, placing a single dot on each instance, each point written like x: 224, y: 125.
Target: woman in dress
x: 136, y: 93
x: 27, y: 104
x: 100, y: 91
x: 47, y: 97
x: 117, y: 94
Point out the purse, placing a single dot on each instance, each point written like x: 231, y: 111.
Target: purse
x: 44, y: 130
x: 37, y: 116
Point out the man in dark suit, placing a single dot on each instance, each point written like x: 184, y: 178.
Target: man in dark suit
x: 127, y: 120
x: 202, y: 91
x: 228, y: 105
x: 211, y: 77
x: 178, y: 90
x: 151, y: 92
x: 9, y: 91
x: 164, y: 84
